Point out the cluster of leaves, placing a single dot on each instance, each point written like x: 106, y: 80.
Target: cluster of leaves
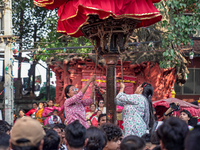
x: 181, y: 20
x: 57, y: 40
x: 28, y: 22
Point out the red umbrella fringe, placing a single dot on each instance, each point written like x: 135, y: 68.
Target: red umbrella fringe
x: 74, y: 14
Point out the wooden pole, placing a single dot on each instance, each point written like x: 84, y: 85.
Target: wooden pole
x: 111, y: 61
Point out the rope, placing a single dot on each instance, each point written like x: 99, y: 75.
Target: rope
x: 121, y: 69
x: 95, y: 71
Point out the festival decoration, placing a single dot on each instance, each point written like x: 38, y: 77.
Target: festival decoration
x: 74, y: 14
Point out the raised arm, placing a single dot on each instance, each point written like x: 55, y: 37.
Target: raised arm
x: 92, y: 78
x: 123, y: 99
x: 88, y: 101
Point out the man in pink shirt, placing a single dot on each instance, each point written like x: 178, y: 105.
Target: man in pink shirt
x: 75, y: 106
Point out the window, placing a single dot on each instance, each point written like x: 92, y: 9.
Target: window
x: 192, y: 85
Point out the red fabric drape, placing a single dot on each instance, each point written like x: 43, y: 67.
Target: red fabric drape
x: 49, y: 4
x: 73, y: 14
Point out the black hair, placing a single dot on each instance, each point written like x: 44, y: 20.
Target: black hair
x: 35, y: 103
x: 112, y: 131
x: 187, y: 112
x: 102, y: 115
x: 67, y: 90
x: 99, y: 101
x: 4, y: 140
x: 96, y: 139
x: 132, y: 142
x: 4, y: 126
x: 61, y: 125
x: 55, y: 110
x: 22, y: 111
x: 192, y: 121
x: 192, y: 139
x: 154, y: 138
x: 41, y: 103
x: 75, y: 134
x: 157, y: 148
x: 92, y: 104
x: 51, y: 140
x: 89, y: 121
x: 148, y: 93
x: 15, y: 147
x: 172, y: 133
x: 146, y: 137
x: 50, y: 100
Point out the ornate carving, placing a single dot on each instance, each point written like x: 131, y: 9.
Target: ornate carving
x: 109, y: 35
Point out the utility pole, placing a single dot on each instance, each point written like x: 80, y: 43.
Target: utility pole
x: 8, y: 56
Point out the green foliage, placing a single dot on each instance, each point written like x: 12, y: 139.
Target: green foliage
x: 52, y: 92
x: 54, y: 39
x: 29, y: 22
x: 181, y: 19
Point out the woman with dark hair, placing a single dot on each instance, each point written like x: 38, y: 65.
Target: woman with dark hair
x: 138, y: 110
x: 96, y: 139
x: 75, y: 106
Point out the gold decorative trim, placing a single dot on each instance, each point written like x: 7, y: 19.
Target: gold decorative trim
x: 104, y: 81
x: 43, y: 4
x: 144, y: 14
x: 105, y: 18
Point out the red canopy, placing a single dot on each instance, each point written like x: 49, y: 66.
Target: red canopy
x: 162, y: 105
x: 74, y: 14
x: 49, y: 4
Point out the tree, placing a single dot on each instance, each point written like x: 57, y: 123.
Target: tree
x: 181, y: 20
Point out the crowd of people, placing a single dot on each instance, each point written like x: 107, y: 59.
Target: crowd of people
x: 41, y: 128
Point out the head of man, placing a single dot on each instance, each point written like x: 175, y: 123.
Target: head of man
x: 57, y: 129
x: 114, y: 136
x: 185, y: 115
x: 4, y: 127
x: 51, y: 140
x: 103, y: 118
x: 132, y: 142
x: 34, y: 104
x: 172, y: 134
x: 28, y: 134
x: 192, y: 139
x: 96, y: 139
x: 4, y: 141
x: 75, y: 135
